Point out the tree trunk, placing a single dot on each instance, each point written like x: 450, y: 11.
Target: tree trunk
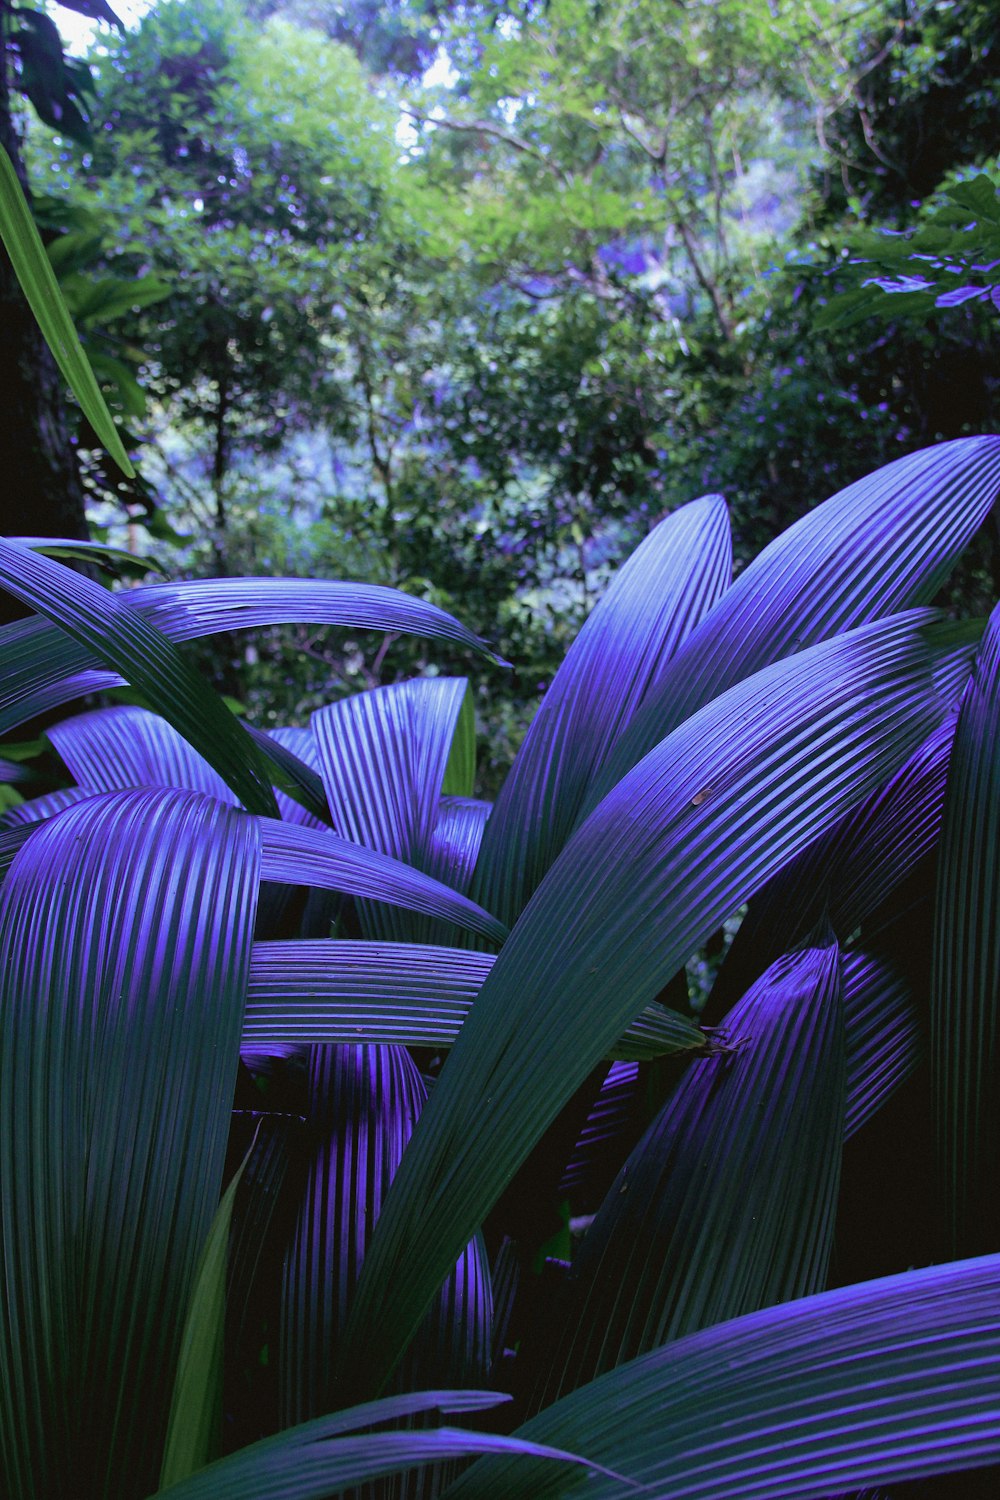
x: 42, y: 493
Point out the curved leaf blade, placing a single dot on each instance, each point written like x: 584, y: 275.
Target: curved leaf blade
x: 655, y: 600
x: 123, y: 984
x: 119, y: 637
x: 890, y: 1380
x: 882, y: 544
x: 693, y: 830
x: 965, y: 977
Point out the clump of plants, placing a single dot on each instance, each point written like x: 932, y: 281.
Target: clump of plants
x: 333, y: 1099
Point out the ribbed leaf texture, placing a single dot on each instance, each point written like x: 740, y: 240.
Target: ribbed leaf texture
x: 308, y: 856
x: 122, y: 986
x: 363, y: 1103
x: 613, y: 1120
x: 727, y: 1203
x: 45, y: 668
x: 300, y: 744
x: 111, y: 749
x: 325, y: 990
x: 890, y: 1380
x: 846, y: 875
x: 884, y: 1041
x: 699, y: 825
x: 383, y: 756
x: 119, y: 637
x: 454, y: 843
x: 965, y: 986
x: 654, y: 602
x: 886, y: 542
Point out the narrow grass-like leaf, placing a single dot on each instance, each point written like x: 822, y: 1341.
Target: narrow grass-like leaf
x: 41, y: 289
x: 119, y: 637
x: 122, y: 987
x: 686, y: 837
x: 890, y: 1380
x: 654, y: 602
x: 886, y: 542
x: 321, y: 1470
x: 965, y: 985
x: 460, y: 771
x: 727, y: 1203
x: 324, y: 990
x: 195, y: 1420
x: 307, y: 856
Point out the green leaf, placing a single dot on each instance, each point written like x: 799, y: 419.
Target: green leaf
x: 865, y: 1385
x: 115, y: 559
x: 727, y: 1204
x: 123, y: 978
x: 460, y: 772
x: 194, y: 1424
x: 38, y: 282
x: 965, y: 994
x: 681, y: 842
x: 105, y: 625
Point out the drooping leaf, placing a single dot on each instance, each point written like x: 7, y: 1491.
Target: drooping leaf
x: 683, y: 840
x: 727, y: 1203
x: 38, y: 282
x: 123, y: 984
x: 115, y: 559
x: 882, y: 544
x: 119, y: 637
x: 965, y: 983
x: 325, y: 990
x: 654, y: 602
x: 45, y: 668
x: 890, y: 1380
x: 307, y: 856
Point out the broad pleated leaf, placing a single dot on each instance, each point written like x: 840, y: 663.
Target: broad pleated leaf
x: 383, y: 756
x: 120, y: 638
x: 883, y: 1035
x: 309, y: 856
x: 195, y: 1421
x: 693, y: 830
x: 460, y: 771
x: 965, y: 988
x: 846, y: 874
x: 38, y: 281
x: 111, y: 749
x: 293, y: 753
x: 325, y: 990
x: 890, y: 1380
x: 886, y: 542
x: 125, y: 928
x: 363, y: 1104
x: 727, y: 1203
x: 38, y: 809
x: 11, y: 772
x: 611, y: 1129
x: 654, y: 602
x: 45, y: 668
x: 455, y: 841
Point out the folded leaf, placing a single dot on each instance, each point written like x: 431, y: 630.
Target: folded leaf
x: 655, y: 600
x: 727, y: 1203
x: 965, y: 981
x: 891, y: 1380
x: 308, y: 856
x: 684, y: 839
x: 323, y: 990
x: 883, y: 1035
x: 886, y: 542
x: 120, y: 638
x: 122, y: 985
